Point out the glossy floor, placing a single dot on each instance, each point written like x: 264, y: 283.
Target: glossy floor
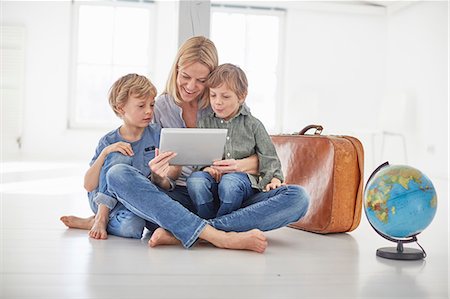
x: 40, y: 258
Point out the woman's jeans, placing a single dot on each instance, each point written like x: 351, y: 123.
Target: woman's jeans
x: 264, y: 210
x: 212, y: 199
x: 122, y: 222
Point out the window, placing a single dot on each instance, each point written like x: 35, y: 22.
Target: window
x: 251, y: 38
x: 111, y: 40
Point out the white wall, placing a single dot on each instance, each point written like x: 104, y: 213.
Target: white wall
x: 341, y: 61
x: 335, y: 68
x: 47, y: 28
x: 417, y: 65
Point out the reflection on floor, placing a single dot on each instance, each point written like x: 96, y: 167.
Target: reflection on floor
x: 40, y: 258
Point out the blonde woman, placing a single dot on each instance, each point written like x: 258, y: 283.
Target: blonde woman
x: 186, y: 100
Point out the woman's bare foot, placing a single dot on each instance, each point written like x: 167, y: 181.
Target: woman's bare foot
x: 253, y: 240
x: 78, y: 222
x: 162, y: 237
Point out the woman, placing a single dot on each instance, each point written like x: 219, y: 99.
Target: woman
x: 186, y: 100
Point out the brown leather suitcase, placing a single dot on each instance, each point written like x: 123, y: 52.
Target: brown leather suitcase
x: 330, y: 168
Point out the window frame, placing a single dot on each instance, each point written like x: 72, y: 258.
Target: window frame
x: 280, y: 68
x: 73, y: 121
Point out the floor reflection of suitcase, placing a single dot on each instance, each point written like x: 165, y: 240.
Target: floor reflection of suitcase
x: 330, y: 168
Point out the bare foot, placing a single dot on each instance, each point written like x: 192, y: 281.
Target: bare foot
x: 98, y: 230
x: 253, y: 240
x: 78, y: 222
x: 162, y: 237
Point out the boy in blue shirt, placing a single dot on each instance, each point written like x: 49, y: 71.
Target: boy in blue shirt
x: 132, y: 98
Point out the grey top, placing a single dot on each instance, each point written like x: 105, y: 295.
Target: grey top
x: 247, y: 136
x: 169, y: 115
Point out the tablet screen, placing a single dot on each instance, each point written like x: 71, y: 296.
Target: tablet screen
x: 194, y: 147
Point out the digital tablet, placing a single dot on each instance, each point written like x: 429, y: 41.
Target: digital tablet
x: 194, y: 147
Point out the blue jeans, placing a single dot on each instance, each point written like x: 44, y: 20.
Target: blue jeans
x: 264, y: 210
x: 122, y: 222
x: 101, y: 194
x: 212, y: 199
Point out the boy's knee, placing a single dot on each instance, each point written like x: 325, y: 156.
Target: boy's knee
x: 198, y: 180
x: 117, y: 173
x: 118, y: 158
x: 199, y: 175
x: 230, y: 184
x: 229, y: 181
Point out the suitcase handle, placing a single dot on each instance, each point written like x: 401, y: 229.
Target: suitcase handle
x: 318, y: 128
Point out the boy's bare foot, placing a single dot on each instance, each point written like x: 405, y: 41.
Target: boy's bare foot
x: 253, y: 240
x: 98, y: 230
x: 162, y: 237
x: 78, y: 222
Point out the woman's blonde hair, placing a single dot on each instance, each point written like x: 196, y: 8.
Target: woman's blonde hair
x: 231, y: 75
x: 130, y: 85
x: 195, y: 49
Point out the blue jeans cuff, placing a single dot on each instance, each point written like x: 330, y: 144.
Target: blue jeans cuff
x: 101, y: 198
x: 194, y: 237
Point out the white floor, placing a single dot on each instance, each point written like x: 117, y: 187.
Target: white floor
x: 40, y: 258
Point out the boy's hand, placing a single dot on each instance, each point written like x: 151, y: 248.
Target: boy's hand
x: 159, y: 165
x: 274, y: 184
x: 123, y: 147
x: 216, y: 174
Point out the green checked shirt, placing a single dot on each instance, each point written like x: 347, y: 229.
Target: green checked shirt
x: 247, y: 136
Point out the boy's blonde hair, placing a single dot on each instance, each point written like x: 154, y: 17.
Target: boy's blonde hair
x: 231, y: 75
x: 131, y: 84
x: 195, y: 49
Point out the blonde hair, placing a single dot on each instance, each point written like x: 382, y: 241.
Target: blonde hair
x: 131, y: 84
x: 195, y: 49
x: 231, y: 75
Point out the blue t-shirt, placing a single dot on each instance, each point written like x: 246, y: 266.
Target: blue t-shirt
x: 144, y: 148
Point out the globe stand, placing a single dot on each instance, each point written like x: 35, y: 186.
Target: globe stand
x: 401, y: 253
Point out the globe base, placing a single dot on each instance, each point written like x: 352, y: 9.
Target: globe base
x: 406, y: 254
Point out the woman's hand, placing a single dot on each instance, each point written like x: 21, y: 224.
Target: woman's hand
x: 225, y: 166
x: 122, y: 147
x: 160, y: 167
x: 249, y: 165
x: 216, y: 174
x: 274, y: 184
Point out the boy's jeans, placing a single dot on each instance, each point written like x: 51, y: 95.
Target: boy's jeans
x: 212, y: 199
x: 101, y: 194
x: 264, y: 210
x: 122, y: 222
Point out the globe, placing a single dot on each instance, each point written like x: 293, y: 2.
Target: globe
x: 400, y: 202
